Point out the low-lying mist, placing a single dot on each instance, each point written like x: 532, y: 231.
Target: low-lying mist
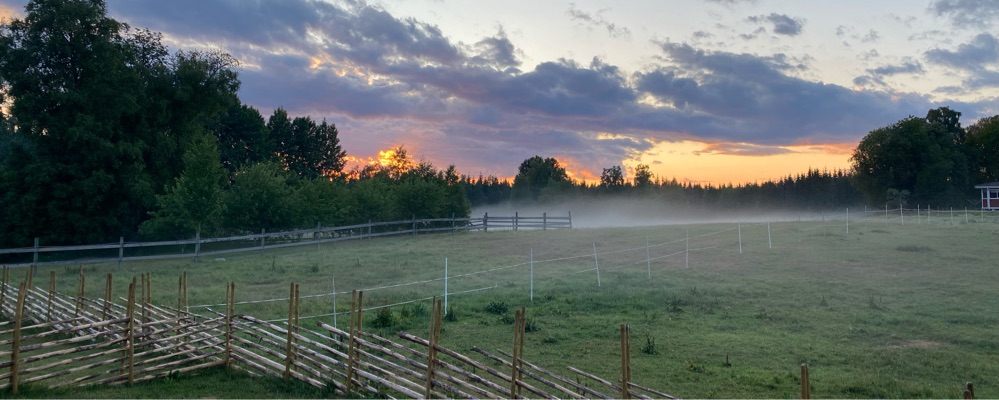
x: 609, y: 212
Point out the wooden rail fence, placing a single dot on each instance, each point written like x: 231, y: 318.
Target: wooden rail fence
x: 58, y: 340
x: 198, y: 247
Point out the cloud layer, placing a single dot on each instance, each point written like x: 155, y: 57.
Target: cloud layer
x: 387, y: 80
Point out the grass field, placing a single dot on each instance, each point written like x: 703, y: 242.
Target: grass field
x: 886, y: 310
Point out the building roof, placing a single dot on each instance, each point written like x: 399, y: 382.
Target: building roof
x: 993, y: 185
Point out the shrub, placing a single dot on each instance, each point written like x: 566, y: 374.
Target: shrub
x: 384, y: 319
x: 498, y: 308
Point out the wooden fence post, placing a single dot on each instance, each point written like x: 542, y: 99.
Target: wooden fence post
x: 356, y: 318
x: 435, y: 333
x: 453, y: 223
x: 625, y: 361
x: 81, y: 291
x: 121, y: 251
x: 969, y: 390
x: 544, y: 221
x: 806, y: 387
x: 51, y: 295
x: 131, y: 331
x: 31, y: 274
x: 290, y: 353
x: 3, y: 287
x: 107, y: 299
x: 414, y: 224
x: 485, y: 222
x: 516, y: 219
x: 230, y: 308
x: 16, y: 346
x: 34, y: 258
x: 197, y: 246
x: 519, y: 327
x: 262, y: 238
x: 570, y: 220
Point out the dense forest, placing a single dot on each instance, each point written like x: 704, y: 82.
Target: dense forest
x: 104, y: 132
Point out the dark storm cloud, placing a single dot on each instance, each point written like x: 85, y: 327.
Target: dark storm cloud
x: 597, y: 20
x: 978, y: 14
x: 782, y: 24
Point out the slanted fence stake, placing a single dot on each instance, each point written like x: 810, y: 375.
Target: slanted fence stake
x: 596, y: 262
x: 806, y: 387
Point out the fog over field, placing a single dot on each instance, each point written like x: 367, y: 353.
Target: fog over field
x: 627, y: 212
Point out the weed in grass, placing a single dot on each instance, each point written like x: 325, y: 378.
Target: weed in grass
x: 314, y: 269
x: 876, y: 304
x: 912, y: 248
x: 824, y: 303
x: 694, y: 366
x: 550, y: 340
x: 450, y: 315
x: 530, y: 326
x: 498, y: 308
x: 650, y: 346
x: 770, y: 315
x: 727, y: 364
x: 417, y: 310
x: 384, y: 318
x: 674, y: 303
x: 506, y: 319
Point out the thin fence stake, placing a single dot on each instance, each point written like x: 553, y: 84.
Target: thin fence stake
x: 848, y: 220
x: 770, y: 240
x: 596, y: 262
x: 80, y: 293
x: 900, y: 214
x: 334, y: 300
x: 532, y: 275
x: 648, y: 258
x: 34, y: 258
x: 740, y: 238
x: 686, y: 250
x: 952, y: 215
x: 445, y: 284
x: 966, y: 215
x: 52, y: 293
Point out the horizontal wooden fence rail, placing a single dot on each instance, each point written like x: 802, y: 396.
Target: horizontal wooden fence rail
x: 204, y: 247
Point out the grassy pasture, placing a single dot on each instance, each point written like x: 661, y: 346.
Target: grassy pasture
x: 886, y: 310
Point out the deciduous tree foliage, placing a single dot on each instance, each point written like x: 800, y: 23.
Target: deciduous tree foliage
x: 535, y: 174
x: 928, y: 157
x: 102, y: 113
x: 983, y: 139
x: 194, y: 203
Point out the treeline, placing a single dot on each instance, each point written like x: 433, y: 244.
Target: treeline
x: 812, y: 190
x: 105, y: 133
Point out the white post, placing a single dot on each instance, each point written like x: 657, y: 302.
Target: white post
x: 952, y: 215
x: 770, y: 240
x: 918, y: 220
x: 686, y: 250
x: 532, y: 275
x: 445, y: 285
x: 740, y: 238
x: 966, y: 215
x: 648, y: 260
x: 848, y: 220
x: 334, y: 301
x: 900, y: 215
x: 929, y: 213
x: 886, y: 215
x: 596, y: 262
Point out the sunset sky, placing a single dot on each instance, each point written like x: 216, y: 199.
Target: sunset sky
x: 710, y: 91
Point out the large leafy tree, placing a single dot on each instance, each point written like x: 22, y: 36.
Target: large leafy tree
x: 102, y: 114
x: 193, y: 204
x: 243, y: 138
x: 924, y: 156
x: 535, y: 174
x: 307, y: 149
x: 612, y: 178
x: 983, y: 139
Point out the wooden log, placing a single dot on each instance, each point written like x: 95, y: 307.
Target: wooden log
x: 625, y: 361
x: 81, y: 379
x: 562, y: 379
x: 68, y: 371
x: 184, y: 370
x: 655, y: 393
x: 609, y: 384
x: 507, y: 363
x: 475, y: 364
x: 482, y: 393
x: 280, y: 367
x: 63, y: 352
